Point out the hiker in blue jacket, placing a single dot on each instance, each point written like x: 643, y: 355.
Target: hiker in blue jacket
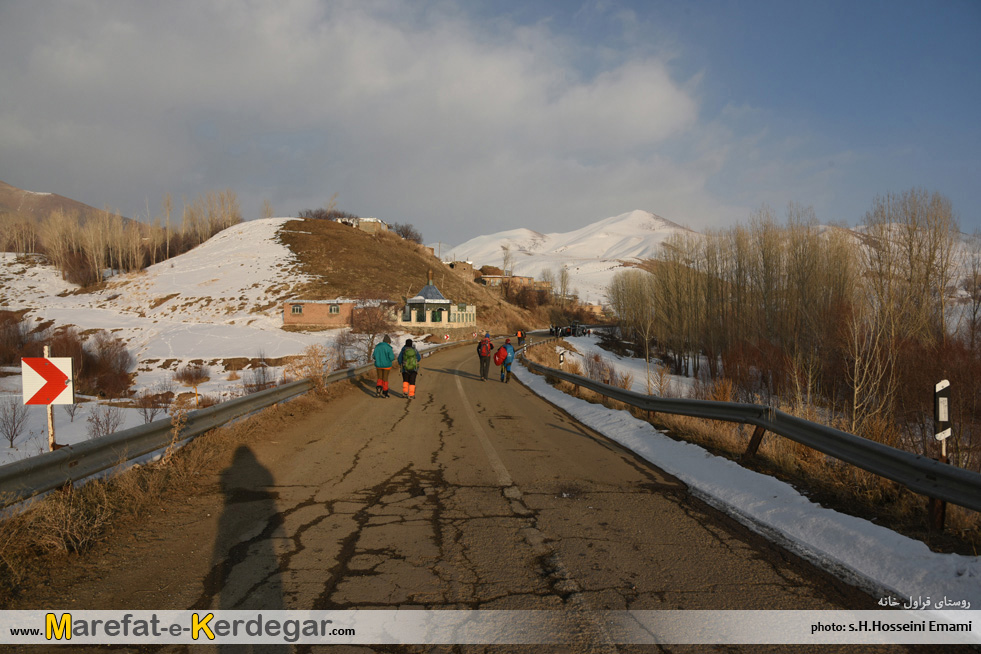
x: 384, y: 358
x: 506, y: 366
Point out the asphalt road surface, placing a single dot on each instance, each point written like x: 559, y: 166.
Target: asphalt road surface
x: 474, y: 495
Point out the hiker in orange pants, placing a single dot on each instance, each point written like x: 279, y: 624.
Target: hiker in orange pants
x: 409, y: 359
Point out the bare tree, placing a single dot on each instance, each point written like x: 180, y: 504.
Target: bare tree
x: 95, y: 246
x: 267, y: 209
x: 104, y: 419
x: 13, y: 417
x: 148, y: 404
x: 168, y: 207
x: 71, y: 410
x: 408, y: 232
x: 548, y: 279
x: 632, y: 297
x: 507, y: 265
x: 370, y: 320
x: 971, y: 284
x: 260, y: 376
x: 563, y: 278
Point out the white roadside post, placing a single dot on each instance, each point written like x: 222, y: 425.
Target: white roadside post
x: 941, y: 415
x: 941, y: 431
x: 48, y: 381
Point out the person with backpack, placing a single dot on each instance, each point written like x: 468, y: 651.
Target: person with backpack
x: 384, y: 357
x: 485, y: 350
x: 521, y: 337
x: 503, y: 357
x: 409, y: 359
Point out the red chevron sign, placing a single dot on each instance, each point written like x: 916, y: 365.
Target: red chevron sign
x: 47, y: 381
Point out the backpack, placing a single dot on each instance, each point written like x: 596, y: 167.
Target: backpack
x: 486, y: 347
x: 410, y: 359
x: 500, y: 355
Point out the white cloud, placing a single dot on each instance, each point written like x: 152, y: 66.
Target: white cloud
x: 415, y: 114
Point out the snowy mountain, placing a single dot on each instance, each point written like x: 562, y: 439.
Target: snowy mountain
x: 592, y: 253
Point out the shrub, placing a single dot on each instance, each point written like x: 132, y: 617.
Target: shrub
x: 192, y: 375
x: 314, y: 364
x: 259, y: 377
x: 104, y: 420
x: 149, y: 404
x: 17, y: 339
x: 105, y: 371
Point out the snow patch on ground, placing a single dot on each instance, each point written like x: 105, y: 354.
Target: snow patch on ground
x: 872, y: 557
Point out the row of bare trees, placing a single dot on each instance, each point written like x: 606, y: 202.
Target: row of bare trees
x: 83, y: 249
x: 855, y: 321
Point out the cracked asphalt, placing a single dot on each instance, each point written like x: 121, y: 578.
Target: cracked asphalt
x: 475, y: 495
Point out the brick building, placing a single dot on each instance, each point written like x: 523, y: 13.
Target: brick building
x: 318, y: 313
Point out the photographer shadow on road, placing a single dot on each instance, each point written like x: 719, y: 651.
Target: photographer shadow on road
x: 246, y: 573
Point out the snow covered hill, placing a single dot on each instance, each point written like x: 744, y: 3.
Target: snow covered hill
x: 592, y: 254
x: 221, y: 300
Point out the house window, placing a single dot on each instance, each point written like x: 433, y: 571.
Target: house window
x: 421, y: 315
x: 437, y: 315
x: 296, y: 309
x: 335, y: 309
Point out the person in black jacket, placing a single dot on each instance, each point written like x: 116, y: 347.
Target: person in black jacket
x: 485, y: 350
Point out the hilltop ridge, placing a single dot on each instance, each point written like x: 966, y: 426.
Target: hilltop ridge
x: 591, y: 253
x: 35, y: 205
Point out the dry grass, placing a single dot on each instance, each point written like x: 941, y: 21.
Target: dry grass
x: 73, y: 519
x: 314, y: 364
x: 823, y: 479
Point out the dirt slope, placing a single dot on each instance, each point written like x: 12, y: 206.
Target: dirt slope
x: 349, y: 263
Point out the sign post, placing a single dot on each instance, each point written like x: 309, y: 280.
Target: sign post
x: 48, y: 381
x: 941, y: 431
x: 941, y: 415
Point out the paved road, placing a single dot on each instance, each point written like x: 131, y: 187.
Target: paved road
x: 473, y: 495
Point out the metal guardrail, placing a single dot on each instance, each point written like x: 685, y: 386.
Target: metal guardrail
x: 26, y: 478
x: 917, y: 473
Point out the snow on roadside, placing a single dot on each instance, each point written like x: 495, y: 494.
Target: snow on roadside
x: 587, y: 346
x: 872, y: 557
x: 220, y: 300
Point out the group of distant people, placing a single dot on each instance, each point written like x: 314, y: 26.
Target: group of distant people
x: 503, y: 357
x: 409, y: 359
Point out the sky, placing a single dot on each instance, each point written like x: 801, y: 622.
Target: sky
x: 468, y: 118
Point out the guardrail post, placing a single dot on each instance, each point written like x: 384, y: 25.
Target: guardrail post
x: 754, y: 442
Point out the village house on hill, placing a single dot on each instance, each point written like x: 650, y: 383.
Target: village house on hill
x: 369, y: 225
x: 318, y: 313
x: 429, y: 309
